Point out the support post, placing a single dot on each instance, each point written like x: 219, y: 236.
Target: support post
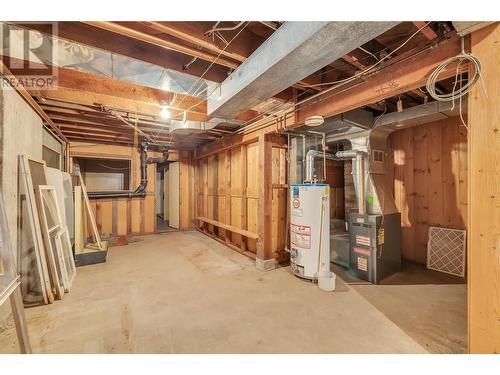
x: 243, y: 151
x: 227, y: 189
x: 483, y: 239
x: 265, y: 258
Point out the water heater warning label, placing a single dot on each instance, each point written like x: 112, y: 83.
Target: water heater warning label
x: 300, y: 236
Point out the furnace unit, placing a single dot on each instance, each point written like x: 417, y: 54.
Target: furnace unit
x: 373, y: 255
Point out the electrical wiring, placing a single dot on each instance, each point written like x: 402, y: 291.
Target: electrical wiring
x: 387, y: 48
x: 205, y: 72
x: 342, y: 82
x: 334, y: 84
x: 359, y: 74
x: 463, y: 90
x: 379, y: 117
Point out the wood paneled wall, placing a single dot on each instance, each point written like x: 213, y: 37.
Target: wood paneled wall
x: 428, y: 167
x: 123, y: 216
x: 227, y: 185
x: 484, y: 197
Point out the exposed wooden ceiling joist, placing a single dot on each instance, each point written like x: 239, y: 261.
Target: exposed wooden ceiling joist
x: 112, y: 42
x: 185, y: 32
x: 151, y: 39
x: 426, y: 31
x: 403, y: 76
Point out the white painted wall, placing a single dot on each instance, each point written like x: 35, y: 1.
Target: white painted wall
x: 20, y: 133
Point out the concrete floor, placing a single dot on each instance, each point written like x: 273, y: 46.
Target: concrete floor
x: 182, y: 292
x: 429, y: 306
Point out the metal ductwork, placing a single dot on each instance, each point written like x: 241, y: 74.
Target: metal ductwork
x: 372, y: 141
x: 140, y: 191
x: 189, y: 127
x: 373, y: 192
x: 183, y: 127
x: 310, y: 157
x: 358, y: 166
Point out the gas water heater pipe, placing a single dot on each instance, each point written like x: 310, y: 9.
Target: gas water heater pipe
x: 357, y: 157
x: 311, y: 155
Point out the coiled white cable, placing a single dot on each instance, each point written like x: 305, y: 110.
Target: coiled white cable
x: 463, y: 90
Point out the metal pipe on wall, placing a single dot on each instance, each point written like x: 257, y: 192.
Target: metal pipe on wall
x: 140, y: 191
x: 357, y: 157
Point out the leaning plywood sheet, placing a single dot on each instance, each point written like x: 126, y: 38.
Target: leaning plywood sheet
x: 32, y: 263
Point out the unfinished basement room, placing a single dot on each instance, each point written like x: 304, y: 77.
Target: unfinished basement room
x: 249, y: 187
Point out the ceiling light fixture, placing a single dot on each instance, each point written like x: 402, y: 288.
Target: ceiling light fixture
x: 165, y: 113
x: 314, y: 120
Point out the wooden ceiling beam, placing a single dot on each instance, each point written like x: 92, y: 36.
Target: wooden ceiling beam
x: 90, y: 89
x: 354, y: 61
x: 239, y: 49
x: 106, y: 127
x: 62, y: 114
x: 151, y: 39
x: 115, y: 102
x: 177, y: 30
x: 83, y: 81
x: 426, y: 31
x: 406, y: 75
x: 65, y: 108
x: 114, y: 43
x: 97, y: 135
x: 83, y: 138
x: 73, y: 127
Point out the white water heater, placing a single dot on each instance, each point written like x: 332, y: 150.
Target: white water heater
x: 310, y: 230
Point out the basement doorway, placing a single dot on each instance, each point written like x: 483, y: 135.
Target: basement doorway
x: 167, y: 197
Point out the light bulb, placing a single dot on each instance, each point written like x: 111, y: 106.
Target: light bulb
x: 165, y: 113
x: 219, y: 97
